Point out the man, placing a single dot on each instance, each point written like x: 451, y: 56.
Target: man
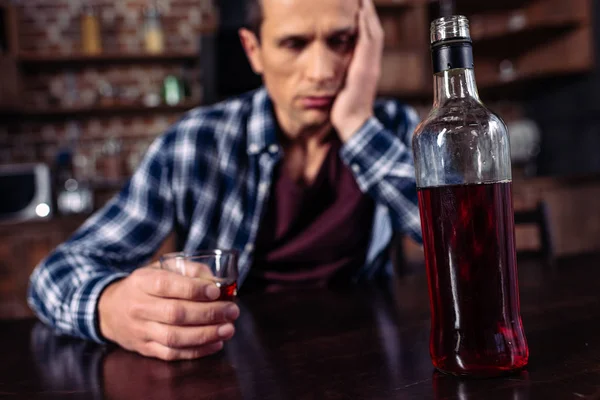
x: 306, y: 178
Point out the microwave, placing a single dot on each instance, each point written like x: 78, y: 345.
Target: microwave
x: 25, y: 192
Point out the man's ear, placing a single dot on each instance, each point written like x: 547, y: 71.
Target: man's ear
x: 251, y: 46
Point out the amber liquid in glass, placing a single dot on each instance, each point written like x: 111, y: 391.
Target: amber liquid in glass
x: 228, y: 290
x: 468, y: 233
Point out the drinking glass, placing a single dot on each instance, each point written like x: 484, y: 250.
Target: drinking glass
x: 219, y: 266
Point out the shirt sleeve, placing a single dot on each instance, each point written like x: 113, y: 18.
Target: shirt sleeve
x: 380, y: 157
x: 64, y: 289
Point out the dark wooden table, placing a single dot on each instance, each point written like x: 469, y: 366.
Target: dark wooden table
x: 366, y: 343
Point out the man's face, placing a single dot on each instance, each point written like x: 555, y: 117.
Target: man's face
x: 305, y: 49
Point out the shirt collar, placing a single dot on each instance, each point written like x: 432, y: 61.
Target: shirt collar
x: 262, y: 126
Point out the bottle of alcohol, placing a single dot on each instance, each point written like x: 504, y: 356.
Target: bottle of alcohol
x: 91, y: 41
x: 73, y: 194
x: 463, y: 172
x: 154, y: 39
x: 173, y: 90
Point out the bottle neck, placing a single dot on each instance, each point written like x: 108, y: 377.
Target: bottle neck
x: 458, y: 83
x: 88, y: 10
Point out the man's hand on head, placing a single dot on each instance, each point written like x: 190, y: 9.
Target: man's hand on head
x: 354, y: 104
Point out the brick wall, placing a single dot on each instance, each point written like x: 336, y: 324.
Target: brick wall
x: 53, y: 25
x: 50, y: 27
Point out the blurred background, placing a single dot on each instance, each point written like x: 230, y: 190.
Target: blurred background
x: 85, y: 86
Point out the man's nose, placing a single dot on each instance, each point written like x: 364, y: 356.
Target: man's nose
x: 321, y: 65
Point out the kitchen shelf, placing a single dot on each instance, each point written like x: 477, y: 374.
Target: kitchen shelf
x: 105, y: 110
x: 531, y: 35
x: 84, y: 60
x: 519, y: 26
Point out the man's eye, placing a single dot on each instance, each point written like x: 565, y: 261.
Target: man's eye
x: 344, y: 42
x: 294, y: 44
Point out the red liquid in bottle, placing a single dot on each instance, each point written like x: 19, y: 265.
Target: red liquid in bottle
x: 228, y: 290
x: 468, y: 233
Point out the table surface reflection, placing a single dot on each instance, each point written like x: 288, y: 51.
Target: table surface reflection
x: 364, y: 343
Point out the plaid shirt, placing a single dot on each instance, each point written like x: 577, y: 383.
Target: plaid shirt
x: 207, y: 179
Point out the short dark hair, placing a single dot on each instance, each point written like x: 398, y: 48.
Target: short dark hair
x: 254, y: 16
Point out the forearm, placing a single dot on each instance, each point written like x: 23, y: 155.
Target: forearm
x: 65, y: 288
x: 382, y: 166
x: 64, y: 291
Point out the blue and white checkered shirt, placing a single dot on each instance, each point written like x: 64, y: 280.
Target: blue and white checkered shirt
x: 207, y: 179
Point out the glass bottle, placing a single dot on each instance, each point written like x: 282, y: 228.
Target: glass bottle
x: 153, y: 31
x: 91, y: 42
x: 73, y: 194
x: 463, y: 173
x: 173, y: 90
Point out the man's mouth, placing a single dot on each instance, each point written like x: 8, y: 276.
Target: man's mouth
x: 317, y: 102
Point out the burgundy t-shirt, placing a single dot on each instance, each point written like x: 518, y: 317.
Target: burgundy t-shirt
x: 312, y: 235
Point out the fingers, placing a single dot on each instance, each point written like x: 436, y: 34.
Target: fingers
x: 186, y: 313
x: 363, y: 21
x: 368, y: 49
x: 157, y: 350
x: 186, y: 337
x: 363, y: 28
x: 171, y: 285
x: 369, y: 21
x: 198, y: 270
x: 192, y: 269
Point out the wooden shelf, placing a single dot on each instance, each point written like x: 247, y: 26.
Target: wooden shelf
x: 470, y: 7
x: 60, y: 112
x: 569, y: 53
x: 113, y: 58
x: 541, y: 31
x: 531, y: 22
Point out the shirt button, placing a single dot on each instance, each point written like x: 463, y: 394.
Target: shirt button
x: 253, y: 148
x: 355, y: 168
x: 249, y: 247
x: 273, y: 149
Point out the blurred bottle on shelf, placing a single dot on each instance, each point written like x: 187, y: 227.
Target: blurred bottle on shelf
x: 73, y: 195
x: 173, y: 90
x: 154, y: 38
x: 91, y: 42
x: 106, y: 93
x: 187, y: 77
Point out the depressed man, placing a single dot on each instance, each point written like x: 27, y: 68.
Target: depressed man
x: 307, y: 177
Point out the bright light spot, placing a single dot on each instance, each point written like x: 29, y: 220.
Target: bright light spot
x: 42, y: 210
x: 441, y: 139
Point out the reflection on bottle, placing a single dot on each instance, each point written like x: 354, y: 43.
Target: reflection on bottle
x: 513, y: 387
